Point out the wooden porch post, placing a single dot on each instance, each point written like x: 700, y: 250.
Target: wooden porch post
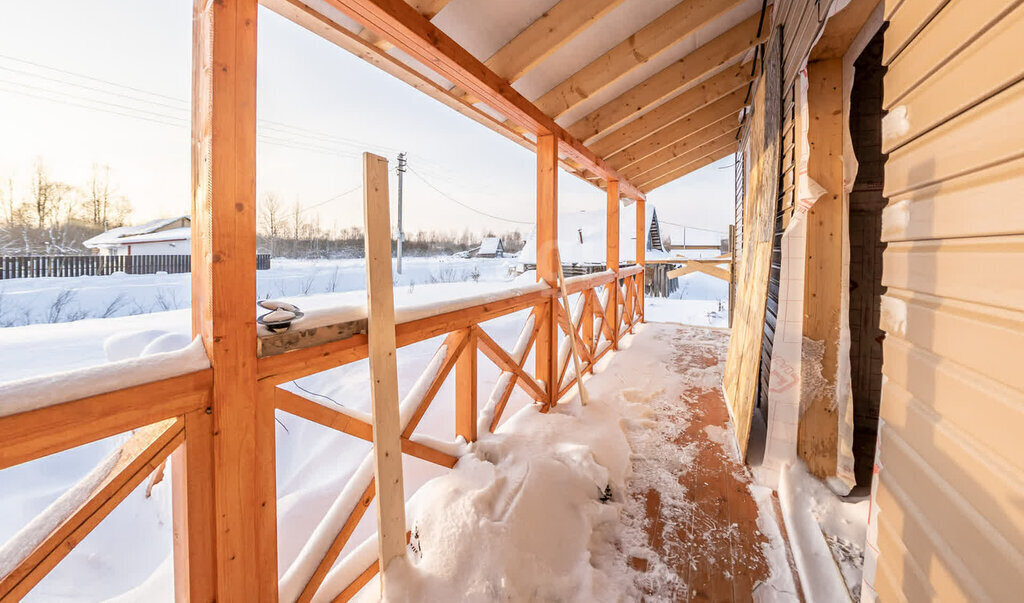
x: 229, y: 499
x: 818, y: 431
x: 641, y: 254
x: 465, y: 389
x: 547, y: 254
x: 612, y: 258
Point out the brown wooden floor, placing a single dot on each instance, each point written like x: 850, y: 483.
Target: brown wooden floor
x: 715, y: 549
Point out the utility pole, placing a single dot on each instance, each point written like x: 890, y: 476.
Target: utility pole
x: 401, y: 233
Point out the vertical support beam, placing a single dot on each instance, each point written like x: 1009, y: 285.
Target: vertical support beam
x: 732, y: 269
x: 612, y: 258
x: 195, y: 577
x: 818, y: 431
x: 465, y: 389
x: 387, y: 424
x: 547, y: 258
x: 641, y: 255
x: 239, y: 477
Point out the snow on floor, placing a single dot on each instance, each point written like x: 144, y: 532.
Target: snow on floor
x: 550, y: 507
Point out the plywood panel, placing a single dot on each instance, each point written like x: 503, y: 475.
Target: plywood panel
x: 743, y: 360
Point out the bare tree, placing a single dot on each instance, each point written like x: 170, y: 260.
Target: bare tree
x: 49, y: 197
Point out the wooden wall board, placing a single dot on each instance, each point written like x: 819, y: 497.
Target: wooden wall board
x: 979, y: 72
x: 954, y: 29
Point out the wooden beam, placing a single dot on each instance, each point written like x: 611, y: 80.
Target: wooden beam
x: 387, y: 424
x: 44, y: 431
x: 454, y: 343
x: 698, y: 97
x: 697, y: 65
x: 224, y: 282
x: 674, y: 25
x: 717, y: 117
x: 465, y: 389
x: 687, y: 151
x: 547, y: 259
x: 689, y: 168
x: 612, y: 257
x: 295, y: 404
x: 555, y: 28
x: 818, y: 430
x: 503, y: 361
x: 136, y: 459
x: 397, y: 22
x: 641, y: 254
x: 428, y: 8
x: 193, y: 510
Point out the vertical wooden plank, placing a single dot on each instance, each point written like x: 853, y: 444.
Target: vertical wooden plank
x: 387, y: 427
x: 641, y: 255
x: 818, y: 431
x: 612, y: 258
x: 547, y: 248
x: 732, y: 270
x: 192, y: 502
x: 465, y: 389
x: 223, y: 287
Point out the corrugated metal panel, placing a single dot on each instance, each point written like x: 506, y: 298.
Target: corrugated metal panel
x: 951, y: 455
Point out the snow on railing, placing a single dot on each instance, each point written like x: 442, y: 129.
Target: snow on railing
x: 55, y: 388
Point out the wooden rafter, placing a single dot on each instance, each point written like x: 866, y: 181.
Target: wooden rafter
x: 679, y: 153
x: 657, y: 36
x: 697, y: 65
x: 552, y: 30
x: 689, y: 101
x: 399, y: 23
x: 689, y: 168
x: 715, y: 117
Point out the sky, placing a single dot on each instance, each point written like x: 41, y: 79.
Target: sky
x: 107, y: 82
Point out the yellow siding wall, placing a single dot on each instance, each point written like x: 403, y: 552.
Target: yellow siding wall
x: 950, y: 490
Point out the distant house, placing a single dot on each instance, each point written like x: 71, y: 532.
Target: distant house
x: 582, y: 242
x: 165, y: 236
x: 491, y: 247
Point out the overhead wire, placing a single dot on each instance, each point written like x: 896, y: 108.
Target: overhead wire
x: 464, y: 205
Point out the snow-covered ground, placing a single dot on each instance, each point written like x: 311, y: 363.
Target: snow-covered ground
x: 130, y: 550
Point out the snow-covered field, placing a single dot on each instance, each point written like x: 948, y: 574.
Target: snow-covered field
x: 129, y: 553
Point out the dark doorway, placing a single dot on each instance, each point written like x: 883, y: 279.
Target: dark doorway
x: 866, y: 247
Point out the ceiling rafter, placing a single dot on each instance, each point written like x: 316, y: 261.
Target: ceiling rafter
x: 682, y: 155
x: 691, y: 100
x: 411, y: 32
x: 671, y: 27
x: 551, y: 31
x: 725, y: 109
x: 688, y: 169
x: 700, y: 63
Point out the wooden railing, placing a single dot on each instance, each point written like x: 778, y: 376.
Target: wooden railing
x: 164, y: 414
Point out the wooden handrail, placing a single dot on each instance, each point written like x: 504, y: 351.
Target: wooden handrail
x: 37, y: 433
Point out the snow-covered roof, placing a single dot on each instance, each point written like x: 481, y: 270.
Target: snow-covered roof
x: 173, y: 234
x: 582, y: 240
x: 490, y: 245
x: 115, y: 236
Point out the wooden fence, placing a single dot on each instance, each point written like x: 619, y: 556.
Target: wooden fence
x: 39, y: 266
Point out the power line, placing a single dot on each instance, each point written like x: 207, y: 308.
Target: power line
x: 280, y: 127
x: 693, y: 227
x: 338, y: 196
x: 460, y: 203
